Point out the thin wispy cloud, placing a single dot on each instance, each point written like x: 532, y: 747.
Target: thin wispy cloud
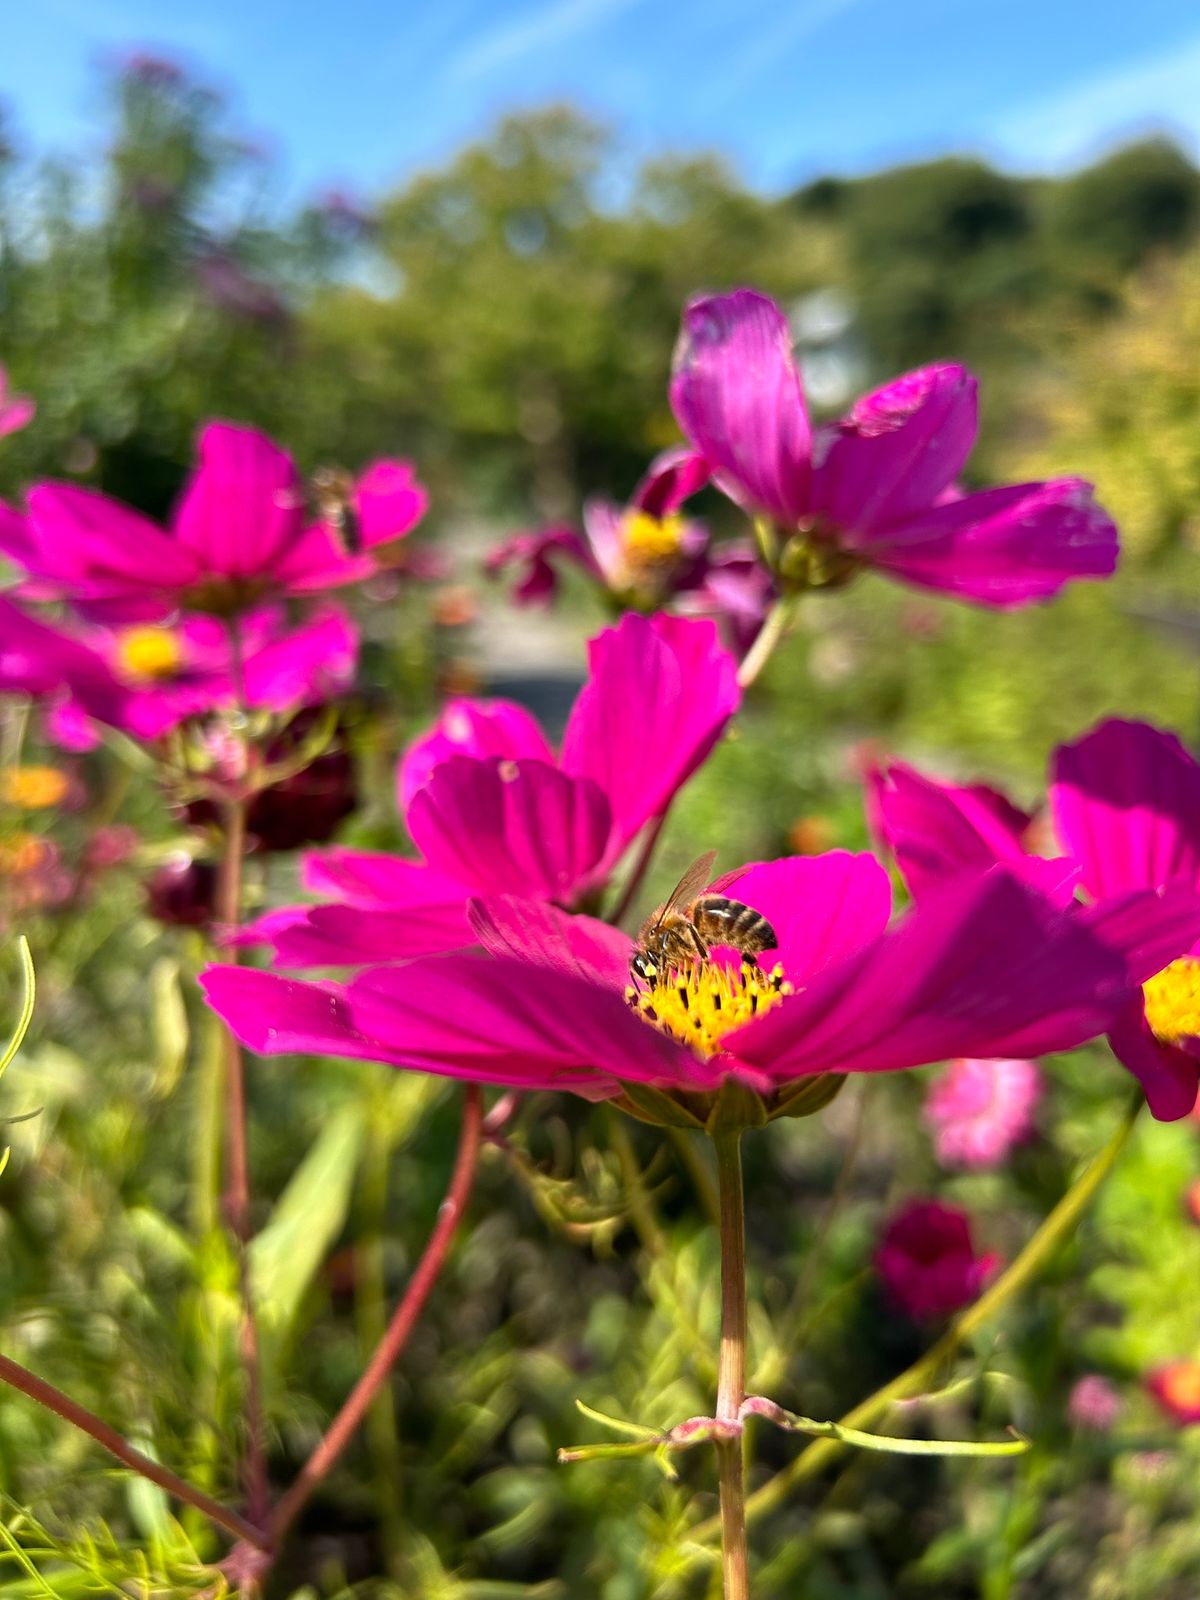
x: 533, y: 32
x: 768, y: 43
x: 1158, y: 91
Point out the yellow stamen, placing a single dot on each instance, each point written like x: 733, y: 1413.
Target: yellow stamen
x: 703, y: 1003
x: 148, y: 654
x: 650, y: 541
x: 33, y: 788
x: 1172, y: 999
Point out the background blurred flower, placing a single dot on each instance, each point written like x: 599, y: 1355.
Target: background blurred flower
x: 1176, y: 1387
x: 1093, y: 1403
x: 239, y: 533
x: 979, y: 1109
x: 927, y: 1261
x: 182, y: 892
x: 16, y: 410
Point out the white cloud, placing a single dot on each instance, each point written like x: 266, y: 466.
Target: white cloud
x: 1158, y: 92
x: 764, y: 47
x: 531, y: 33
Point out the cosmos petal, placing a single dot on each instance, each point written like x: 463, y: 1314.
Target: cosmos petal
x: 737, y: 396
x: 823, y: 908
x: 1126, y: 802
x: 511, y: 827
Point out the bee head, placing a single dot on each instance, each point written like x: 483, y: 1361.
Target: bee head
x: 643, y: 966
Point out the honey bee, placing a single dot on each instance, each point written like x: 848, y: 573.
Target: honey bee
x: 332, y: 497
x: 681, y: 930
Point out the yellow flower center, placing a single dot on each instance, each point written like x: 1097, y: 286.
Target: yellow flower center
x: 651, y: 541
x: 701, y: 1005
x: 33, y: 788
x: 149, y: 654
x: 1172, y: 999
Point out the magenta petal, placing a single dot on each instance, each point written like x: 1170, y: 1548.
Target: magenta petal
x: 1148, y: 929
x: 737, y: 395
x: 308, y: 663
x: 242, y: 510
x: 375, y: 879
x: 1169, y: 1077
x: 983, y: 967
x: 84, y: 537
x: 278, y: 1016
x: 511, y: 827
x: 1003, y: 547
x: 499, y: 1020
x: 1126, y: 802
x: 542, y: 934
x: 823, y: 908
x: 936, y: 830
x: 659, y: 693
x: 895, y: 453
x: 471, y: 728
x: 529, y: 553
x: 390, y: 501
x: 673, y: 477
x: 359, y: 936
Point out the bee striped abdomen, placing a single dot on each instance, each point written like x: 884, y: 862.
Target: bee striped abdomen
x: 719, y: 920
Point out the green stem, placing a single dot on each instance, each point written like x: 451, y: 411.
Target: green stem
x: 731, y: 1369
x: 779, y: 619
x: 1056, y: 1229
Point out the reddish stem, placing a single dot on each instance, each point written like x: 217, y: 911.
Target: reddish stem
x: 237, y: 1175
x: 343, y: 1427
x: 80, y: 1417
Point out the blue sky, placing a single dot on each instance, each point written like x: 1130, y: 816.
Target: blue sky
x: 362, y: 92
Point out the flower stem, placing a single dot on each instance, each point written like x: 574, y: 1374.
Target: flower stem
x: 236, y: 1198
x: 731, y: 1368
x: 19, y: 1377
x: 1054, y: 1231
x: 345, y: 1424
x: 779, y: 619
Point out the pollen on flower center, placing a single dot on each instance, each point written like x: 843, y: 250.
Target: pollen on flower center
x: 704, y: 1002
x: 651, y: 541
x: 149, y: 653
x: 1172, y: 1000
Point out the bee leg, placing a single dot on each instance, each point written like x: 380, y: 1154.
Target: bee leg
x: 698, y: 943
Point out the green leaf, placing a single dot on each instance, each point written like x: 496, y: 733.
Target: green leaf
x: 308, y: 1216
x: 885, y: 1443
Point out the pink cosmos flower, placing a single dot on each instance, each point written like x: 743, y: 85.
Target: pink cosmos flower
x: 641, y: 553
x: 493, y: 810
x: 16, y: 410
x: 982, y: 967
x: 927, y: 1260
x: 1176, y: 1387
x: 878, y: 487
x: 1093, y: 1403
x: 146, y: 679
x: 239, y: 533
x: 978, y: 1109
x: 1125, y: 801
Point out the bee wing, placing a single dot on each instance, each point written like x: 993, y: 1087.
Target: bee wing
x: 694, y: 879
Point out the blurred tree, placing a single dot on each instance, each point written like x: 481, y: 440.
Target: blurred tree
x: 1142, y: 198
x: 1124, y: 410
